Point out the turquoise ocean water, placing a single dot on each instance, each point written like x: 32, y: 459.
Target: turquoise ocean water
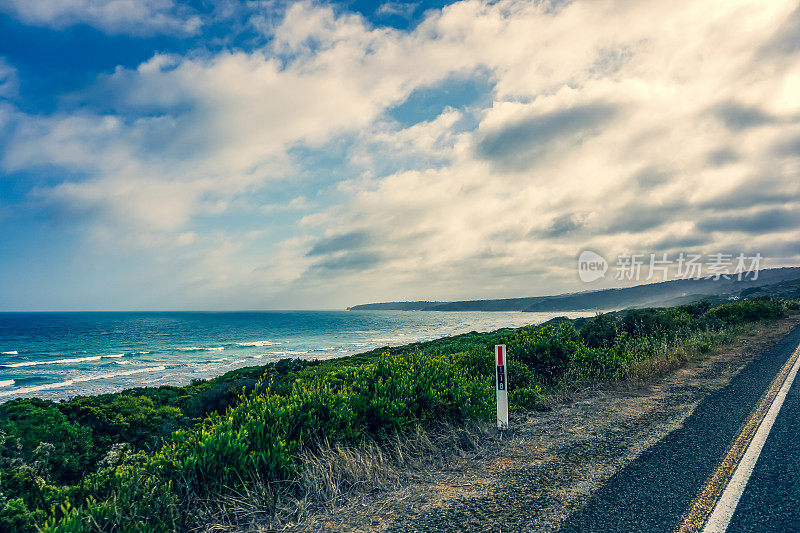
x: 59, y: 355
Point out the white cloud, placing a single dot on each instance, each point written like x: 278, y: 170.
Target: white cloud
x: 9, y: 82
x: 614, y: 126
x: 482, y: 222
x: 138, y: 17
x: 213, y: 127
x: 401, y: 9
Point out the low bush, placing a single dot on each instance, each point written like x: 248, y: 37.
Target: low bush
x: 154, y: 459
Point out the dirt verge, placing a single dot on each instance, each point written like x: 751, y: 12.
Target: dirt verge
x: 547, y: 465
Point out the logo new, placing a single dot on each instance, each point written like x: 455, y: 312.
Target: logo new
x: 591, y: 266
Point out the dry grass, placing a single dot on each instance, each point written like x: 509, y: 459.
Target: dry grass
x: 679, y: 353
x: 553, y: 460
x: 247, y: 510
x: 672, y: 356
x: 331, y: 472
x: 333, y: 475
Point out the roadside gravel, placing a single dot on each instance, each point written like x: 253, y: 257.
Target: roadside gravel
x: 548, y: 465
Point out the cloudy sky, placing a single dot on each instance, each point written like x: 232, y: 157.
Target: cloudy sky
x: 223, y: 154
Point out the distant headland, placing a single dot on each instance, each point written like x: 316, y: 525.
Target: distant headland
x: 664, y: 293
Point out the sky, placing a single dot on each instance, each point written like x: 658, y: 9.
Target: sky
x: 256, y: 154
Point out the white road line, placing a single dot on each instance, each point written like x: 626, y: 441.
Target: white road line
x: 726, y: 506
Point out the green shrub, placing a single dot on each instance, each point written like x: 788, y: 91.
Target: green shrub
x: 600, y: 331
x: 704, y: 346
x: 141, y: 459
x: 520, y: 375
x: 548, y: 351
x: 28, y: 423
x: 227, y: 449
x: 749, y: 310
x: 526, y: 397
x: 121, y: 417
x: 15, y: 517
x: 261, y: 436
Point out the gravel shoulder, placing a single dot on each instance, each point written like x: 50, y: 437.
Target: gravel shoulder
x: 550, y: 463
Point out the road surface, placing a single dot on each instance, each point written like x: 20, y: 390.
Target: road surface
x: 659, y: 490
x: 651, y: 458
x: 771, y: 499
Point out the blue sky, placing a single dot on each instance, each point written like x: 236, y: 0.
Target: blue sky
x: 261, y: 154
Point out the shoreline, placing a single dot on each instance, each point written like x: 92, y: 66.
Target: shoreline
x: 250, y: 369
x: 171, y: 360
x: 299, y: 431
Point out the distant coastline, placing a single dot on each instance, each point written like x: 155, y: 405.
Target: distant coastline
x: 665, y: 293
x: 164, y: 455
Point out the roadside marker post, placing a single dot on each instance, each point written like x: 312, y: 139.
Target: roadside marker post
x: 501, y: 386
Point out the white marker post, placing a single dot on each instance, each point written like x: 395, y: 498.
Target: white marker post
x: 501, y: 386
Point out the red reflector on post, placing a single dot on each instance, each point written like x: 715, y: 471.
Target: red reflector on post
x: 501, y: 386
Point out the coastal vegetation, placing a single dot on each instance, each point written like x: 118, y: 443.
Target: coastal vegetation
x: 170, y: 458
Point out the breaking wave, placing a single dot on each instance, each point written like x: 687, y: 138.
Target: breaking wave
x: 68, y: 361
x: 68, y: 382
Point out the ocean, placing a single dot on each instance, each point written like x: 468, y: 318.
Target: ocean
x: 61, y: 355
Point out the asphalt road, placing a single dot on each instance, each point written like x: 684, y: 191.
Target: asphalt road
x: 771, y: 500
x: 653, y: 492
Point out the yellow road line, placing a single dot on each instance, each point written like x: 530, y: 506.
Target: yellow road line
x: 704, y: 503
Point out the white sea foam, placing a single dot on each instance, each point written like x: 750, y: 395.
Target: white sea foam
x: 25, y: 390
x: 12, y: 352
x: 94, y: 377
x: 7, y: 383
x: 215, y: 365
x: 68, y: 382
x: 199, y: 349
x: 292, y: 352
x: 258, y: 343
x: 68, y: 361
x: 56, y: 362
